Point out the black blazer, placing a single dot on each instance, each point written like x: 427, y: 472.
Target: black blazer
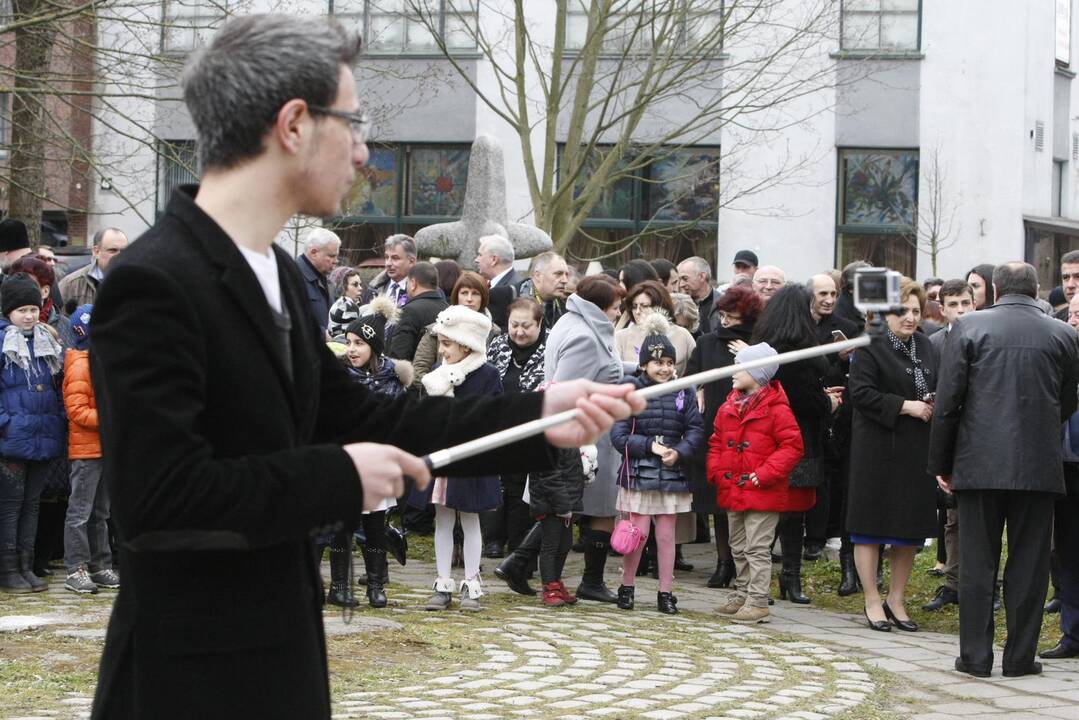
x: 220, y: 466
x: 416, y: 315
x: 504, y: 292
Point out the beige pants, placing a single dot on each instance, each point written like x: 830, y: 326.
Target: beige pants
x: 751, y: 534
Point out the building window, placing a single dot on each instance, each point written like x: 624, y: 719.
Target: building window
x: 189, y: 24
x: 1064, y: 33
x: 635, y: 24
x: 410, y: 26
x: 886, y: 26
x: 665, y: 207
x: 878, y: 208
x: 401, y: 189
x: 177, y: 164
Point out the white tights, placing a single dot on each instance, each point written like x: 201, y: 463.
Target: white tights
x: 470, y: 523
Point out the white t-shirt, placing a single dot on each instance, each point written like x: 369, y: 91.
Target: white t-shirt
x: 264, y: 265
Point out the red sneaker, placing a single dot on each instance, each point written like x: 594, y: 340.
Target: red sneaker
x: 566, y: 596
x: 552, y: 595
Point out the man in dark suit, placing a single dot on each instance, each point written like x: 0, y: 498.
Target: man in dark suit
x: 425, y: 302
x: 1069, y: 281
x: 494, y: 261
x: 230, y: 434
x: 695, y: 279
x: 316, y: 262
x: 1008, y: 379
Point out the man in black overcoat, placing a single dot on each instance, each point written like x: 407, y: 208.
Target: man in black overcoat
x: 1008, y: 380
x: 230, y: 434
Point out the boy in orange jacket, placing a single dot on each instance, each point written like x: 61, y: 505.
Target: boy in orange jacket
x: 86, y: 534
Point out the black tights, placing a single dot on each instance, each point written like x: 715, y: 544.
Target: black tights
x: 374, y: 530
x: 554, y: 547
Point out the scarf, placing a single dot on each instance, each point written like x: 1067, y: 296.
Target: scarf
x: 443, y: 379
x: 17, y: 350
x: 745, y: 402
x: 909, y: 349
x: 520, y: 354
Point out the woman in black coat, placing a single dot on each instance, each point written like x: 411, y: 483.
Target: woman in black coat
x: 738, y: 310
x: 787, y: 325
x: 892, y: 497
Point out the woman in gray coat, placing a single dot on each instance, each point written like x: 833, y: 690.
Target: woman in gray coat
x: 581, y: 345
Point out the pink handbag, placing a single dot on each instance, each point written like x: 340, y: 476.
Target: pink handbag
x: 626, y: 537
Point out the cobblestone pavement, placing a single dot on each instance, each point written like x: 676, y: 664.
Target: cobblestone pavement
x: 593, y: 661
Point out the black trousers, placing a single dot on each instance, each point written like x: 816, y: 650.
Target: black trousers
x: 556, y: 539
x: 983, y: 514
x: 508, y: 524
x: 1066, y: 528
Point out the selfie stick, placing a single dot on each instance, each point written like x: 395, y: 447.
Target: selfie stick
x: 442, y: 458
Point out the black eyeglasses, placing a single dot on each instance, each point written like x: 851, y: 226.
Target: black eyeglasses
x: 358, y: 121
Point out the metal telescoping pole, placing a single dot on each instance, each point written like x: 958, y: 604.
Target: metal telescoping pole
x: 448, y: 456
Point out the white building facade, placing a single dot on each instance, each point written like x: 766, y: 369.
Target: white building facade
x: 966, y: 101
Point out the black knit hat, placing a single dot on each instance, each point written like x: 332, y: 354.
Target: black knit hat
x: 13, y: 235
x: 656, y: 344
x: 19, y: 290
x: 371, y: 328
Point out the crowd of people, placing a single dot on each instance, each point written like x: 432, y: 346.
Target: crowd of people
x: 53, y: 502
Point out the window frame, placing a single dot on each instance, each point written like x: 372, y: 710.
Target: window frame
x: 842, y: 228
x: 683, y: 33
x: 5, y: 124
x: 222, y: 6
x: 178, y: 147
x: 881, y: 51
x: 402, y: 183
x: 364, y: 27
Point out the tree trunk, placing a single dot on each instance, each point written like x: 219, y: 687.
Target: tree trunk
x: 26, y: 182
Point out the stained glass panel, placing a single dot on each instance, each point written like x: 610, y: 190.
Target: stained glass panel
x: 879, y: 187
x: 436, y: 181
x: 685, y: 186
x: 375, y: 191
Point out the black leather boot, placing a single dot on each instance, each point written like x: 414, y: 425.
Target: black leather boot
x: 666, y: 603
x: 376, y: 563
x: 11, y: 580
x: 340, y: 592
x: 26, y: 567
x: 679, y: 562
x: 945, y: 596
x: 625, y: 597
x: 790, y: 580
x: 724, y: 574
x: 515, y: 568
x: 592, y: 587
x: 848, y: 584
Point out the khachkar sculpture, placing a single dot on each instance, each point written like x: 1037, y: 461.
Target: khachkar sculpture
x: 483, y: 213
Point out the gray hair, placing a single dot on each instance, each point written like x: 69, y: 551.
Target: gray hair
x: 541, y: 262
x: 1070, y: 258
x: 685, y: 306
x: 498, y: 246
x: 100, y: 235
x: 1016, y: 278
x: 235, y: 87
x: 700, y: 265
x: 404, y: 241
x: 320, y: 238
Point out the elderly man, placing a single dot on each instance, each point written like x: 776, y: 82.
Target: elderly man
x: 1066, y: 532
x: 695, y: 277
x: 1008, y: 378
x: 81, y: 286
x: 230, y: 433
x: 494, y: 261
x: 768, y: 280
x: 547, y: 284
x: 318, y: 259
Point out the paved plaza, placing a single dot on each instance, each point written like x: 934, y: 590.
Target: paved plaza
x: 518, y: 660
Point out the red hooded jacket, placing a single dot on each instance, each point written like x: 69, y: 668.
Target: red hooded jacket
x: 766, y: 441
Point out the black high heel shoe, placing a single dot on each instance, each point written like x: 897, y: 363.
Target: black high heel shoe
x: 908, y: 625
x: 791, y: 584
x: 878, y: 625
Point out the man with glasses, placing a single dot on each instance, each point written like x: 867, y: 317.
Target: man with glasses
x: 230, y: 434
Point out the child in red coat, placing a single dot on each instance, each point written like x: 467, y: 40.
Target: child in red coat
x: 755, y: 446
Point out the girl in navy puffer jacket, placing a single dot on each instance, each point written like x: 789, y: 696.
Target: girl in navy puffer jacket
x: 656, y: 447
x: 32, y: 426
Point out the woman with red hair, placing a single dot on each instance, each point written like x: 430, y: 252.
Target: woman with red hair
x: 738, y: 310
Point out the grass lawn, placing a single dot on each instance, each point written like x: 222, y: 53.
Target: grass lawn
x: 820, y: 580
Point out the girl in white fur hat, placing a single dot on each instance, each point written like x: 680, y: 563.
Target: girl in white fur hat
x: 463, y: 372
